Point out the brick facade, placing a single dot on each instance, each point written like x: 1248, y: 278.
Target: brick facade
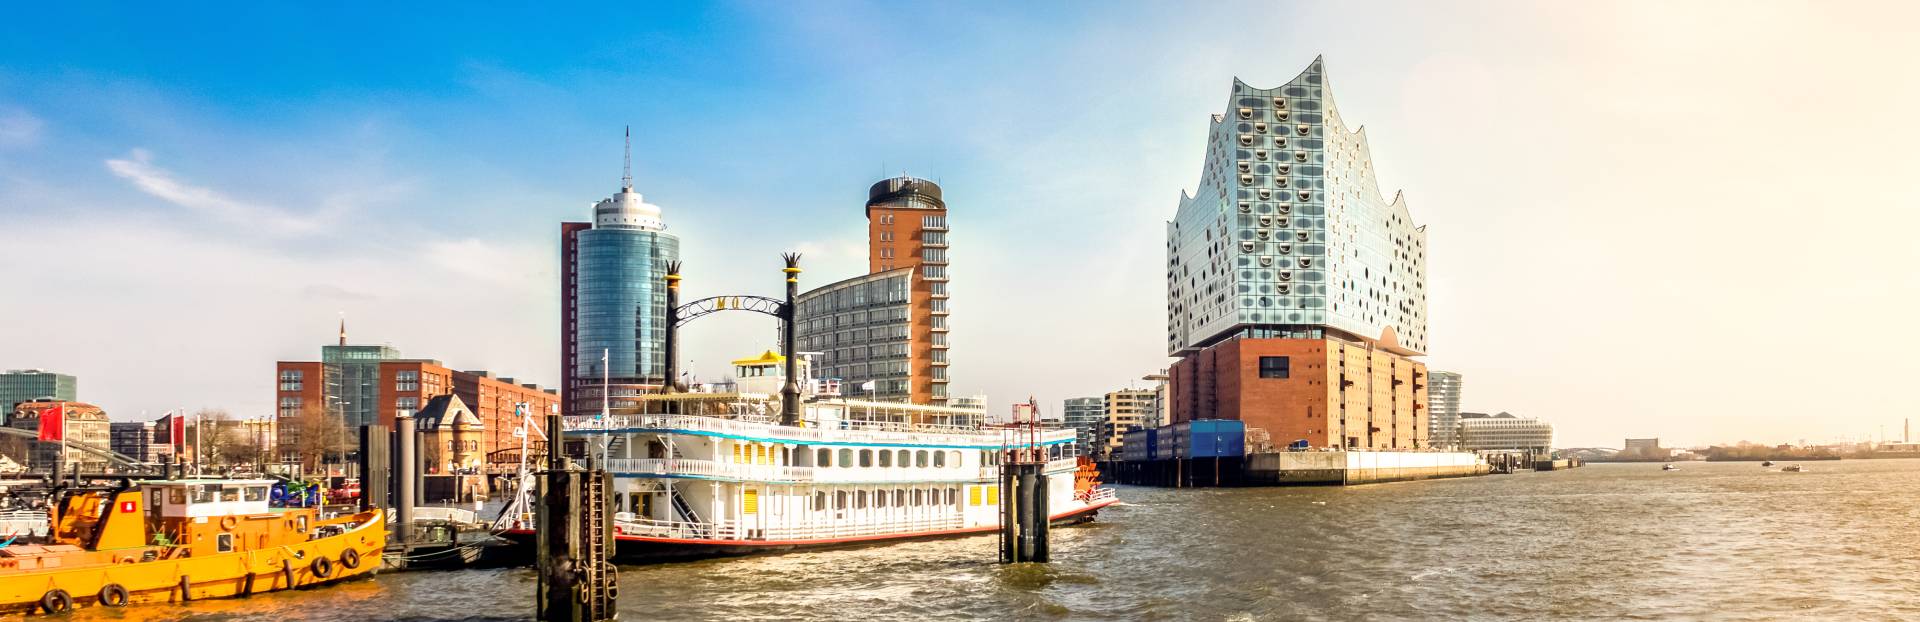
x: 1332, y: 393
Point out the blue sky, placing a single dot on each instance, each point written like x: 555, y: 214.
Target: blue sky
x: 1605, y: 185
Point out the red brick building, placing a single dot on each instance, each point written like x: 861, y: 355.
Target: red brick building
x: 1328, y: 392
x: 406, y: 385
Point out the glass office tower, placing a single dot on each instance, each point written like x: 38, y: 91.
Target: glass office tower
x: 616, y: 301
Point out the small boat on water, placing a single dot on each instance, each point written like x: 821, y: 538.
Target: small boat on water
x: 1792, y: 468
x: 1767, y: 463
x: 175, y: 541
x: 1669, y: 467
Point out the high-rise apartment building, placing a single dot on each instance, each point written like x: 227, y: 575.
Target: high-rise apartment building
x: 1443, y: 401
x: 863, y: 329
x: 1124, y: 411
x: 889, y: 328
x: 1296, y: 291
x: 614, y: 303
x: 26, y: 385
x: 1084, y: 415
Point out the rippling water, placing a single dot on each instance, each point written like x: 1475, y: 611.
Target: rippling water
x: 1711, y: 541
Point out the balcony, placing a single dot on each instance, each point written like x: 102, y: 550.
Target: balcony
x: 682, y: 467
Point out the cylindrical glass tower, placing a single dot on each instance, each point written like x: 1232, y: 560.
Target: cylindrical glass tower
x: 621, y: 305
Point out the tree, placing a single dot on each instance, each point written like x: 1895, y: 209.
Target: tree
x: 313, y: 436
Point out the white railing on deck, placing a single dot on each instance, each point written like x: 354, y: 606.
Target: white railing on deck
x: 1101, y: 494
x: 844, y: 431
x: 733, y: 530
x: 992, y: 471
x: 709, y: 468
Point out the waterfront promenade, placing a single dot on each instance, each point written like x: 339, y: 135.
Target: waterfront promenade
x: 1713, y: 541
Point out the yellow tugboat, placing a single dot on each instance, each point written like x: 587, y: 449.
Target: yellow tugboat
x: 181, y: 540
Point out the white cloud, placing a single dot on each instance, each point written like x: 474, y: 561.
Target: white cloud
x: 19, y: 128
x: 161, y: 183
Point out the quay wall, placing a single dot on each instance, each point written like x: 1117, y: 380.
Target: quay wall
x: 1296, y: 468
x: 1359, y: 467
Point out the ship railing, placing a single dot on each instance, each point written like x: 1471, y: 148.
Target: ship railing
x: 708, y: 468
x: 1100, y: 494
x: 918, y: 435
x: 992, y: 471
x: 736, y: 530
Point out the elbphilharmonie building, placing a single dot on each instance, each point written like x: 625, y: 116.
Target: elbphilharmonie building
x: 1287, y: 264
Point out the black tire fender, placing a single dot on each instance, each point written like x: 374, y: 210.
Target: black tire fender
x: 321, y: 567
x: 56, y: 600
x: 114, y: 595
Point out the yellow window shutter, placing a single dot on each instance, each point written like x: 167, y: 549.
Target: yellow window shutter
x: 973, y: 495
x: 993, y: 495
x: 751, y: 500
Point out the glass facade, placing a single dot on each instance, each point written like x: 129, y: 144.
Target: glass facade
x: 26, y: 385
x: 353, y: 381
x: 1288, y: 230
x: 1084, y: 415
x: 618, y: 304
x: 861, y: 327
x: 1443, y: 408
x: 622, y: 308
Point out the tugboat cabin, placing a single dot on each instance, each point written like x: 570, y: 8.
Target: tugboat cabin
x: 221, y: 516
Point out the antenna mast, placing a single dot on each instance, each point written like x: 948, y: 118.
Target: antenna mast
x: 626, y: 170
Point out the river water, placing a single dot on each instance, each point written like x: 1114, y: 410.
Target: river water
x: 1728, y: 541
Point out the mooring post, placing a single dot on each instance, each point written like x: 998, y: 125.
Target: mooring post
x: 575, y: 539
x: 403, y: 478
x: 1024, y: 517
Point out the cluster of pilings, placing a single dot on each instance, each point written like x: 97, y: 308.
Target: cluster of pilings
x: 577, y: 581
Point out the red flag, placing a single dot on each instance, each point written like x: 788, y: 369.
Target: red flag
x: 177, y: 434
x: 53, y: 423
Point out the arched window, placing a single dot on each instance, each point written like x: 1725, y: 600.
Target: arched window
x: 819, y: 500
x: 866, y: 457
x: 900, y: 494
x: 823, y: 457
x: 953, y: 458
x: 906, y: 458
x: 886, y: 458
x: 864, y: 495
x: 939, y: 459
x: 880, y: 500
x: 846, y: 458
x: 920, y: 458
x: 919, y: 496
x: 840, y: 500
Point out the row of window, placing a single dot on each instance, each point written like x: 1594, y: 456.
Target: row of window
x: 898, y: 497
x: 921, y: 458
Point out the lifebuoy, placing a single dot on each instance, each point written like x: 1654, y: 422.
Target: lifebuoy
x: 56, y: 600
x: 350, y: 558
x: 322, y: 567
x: 228, y: 522
x: 113, y: 595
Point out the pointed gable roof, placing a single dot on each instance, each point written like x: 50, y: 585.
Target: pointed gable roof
x: 445, y: 410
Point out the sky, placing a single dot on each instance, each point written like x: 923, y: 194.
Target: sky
x: 1683, y: 220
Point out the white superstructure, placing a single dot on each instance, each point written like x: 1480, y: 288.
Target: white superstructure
x: 724, y: 476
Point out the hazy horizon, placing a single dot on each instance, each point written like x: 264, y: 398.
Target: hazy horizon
x: 1644, y: 219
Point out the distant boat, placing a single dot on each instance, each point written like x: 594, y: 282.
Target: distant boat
x: 1669, y: 467
x: 1791, y: 468
x: 1767, y: 463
